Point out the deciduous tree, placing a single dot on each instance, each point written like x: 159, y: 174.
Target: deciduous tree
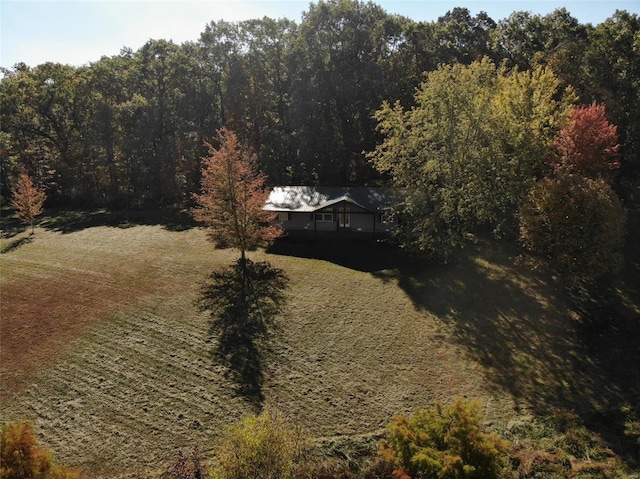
x: 444, y: 441
x: 468, y: 152
x: 573, y: 221
x: 575, y: 226
x: 28, y: 200
x: 612, y: 76
x: 232, y: 196
x: 22, y: 458
x: 588, y: 145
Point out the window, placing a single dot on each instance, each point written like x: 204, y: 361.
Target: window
x: 326, y: 217
x: 284, y: 216
x: 384, y: 218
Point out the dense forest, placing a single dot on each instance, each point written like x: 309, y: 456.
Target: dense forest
x: 128, y: 130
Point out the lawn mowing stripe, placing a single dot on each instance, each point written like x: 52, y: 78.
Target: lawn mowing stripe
x: 351, y: 350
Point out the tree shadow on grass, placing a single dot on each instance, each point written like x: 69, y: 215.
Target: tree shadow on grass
x: 69, y: 221
x: 244, y: 300
x: 532, y: 340
x: 17, y: 243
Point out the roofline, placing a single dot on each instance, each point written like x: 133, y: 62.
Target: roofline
x: 326, y: 204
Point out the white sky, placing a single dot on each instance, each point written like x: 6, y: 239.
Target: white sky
x: 79, y: 32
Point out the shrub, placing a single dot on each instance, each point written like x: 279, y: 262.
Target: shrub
x: 381, y: 469
x: 560, y: 446
x: 22, y: 458
x: 263, y: 446
x: 185, y: 467
x: 444, y: 441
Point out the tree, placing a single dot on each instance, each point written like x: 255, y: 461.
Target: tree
x: 232, y: 196
x: 264, y: 446
x: 41, y: 111
x: 575, y: 226
x: 612, y: 76
x: 337, y: 71
x: 445, y: 442
x: 588, y: 145
x: 22, y: 458
x: 463, y: 38
x: 245, y: 297
x: 573, y: 221
x: 556, y: 40
x: 468, y: 152
x: 28, y: 200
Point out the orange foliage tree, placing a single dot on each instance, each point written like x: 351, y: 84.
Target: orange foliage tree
x: 588, y: 145
x: 22, y: 458
x: 232, y: 196
x: 28, y: 200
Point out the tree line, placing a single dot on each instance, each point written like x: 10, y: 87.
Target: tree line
x: 130, y: 130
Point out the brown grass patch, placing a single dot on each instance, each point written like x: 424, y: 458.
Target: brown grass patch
x: 57, y: 288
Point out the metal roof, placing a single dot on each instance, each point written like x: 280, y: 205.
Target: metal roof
x: 313, y: 198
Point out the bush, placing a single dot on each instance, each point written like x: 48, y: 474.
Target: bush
x: 560, y: 446
x: 444, y: 442
x: 263, y: 446
x: 185, y: 467
x: 22, y: 458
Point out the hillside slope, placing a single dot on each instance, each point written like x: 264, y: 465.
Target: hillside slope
x: 104, y: 347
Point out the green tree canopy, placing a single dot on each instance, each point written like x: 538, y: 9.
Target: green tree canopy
x: 128, y: 130
x: 469, y: 150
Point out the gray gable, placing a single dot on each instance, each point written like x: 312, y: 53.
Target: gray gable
x: 314, y: 198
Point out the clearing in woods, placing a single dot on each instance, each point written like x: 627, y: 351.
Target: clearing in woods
x: 104, y: 348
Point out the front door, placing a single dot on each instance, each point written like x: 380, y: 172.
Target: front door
x: 345, y: 218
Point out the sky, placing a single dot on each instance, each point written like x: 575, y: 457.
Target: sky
x: 78, y: 32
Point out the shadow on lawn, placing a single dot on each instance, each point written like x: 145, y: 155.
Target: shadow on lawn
x: 550, y: 352
x: 69, y: 221
x: 360, y: 254
x: 17, y: 243
x: 243, y: 300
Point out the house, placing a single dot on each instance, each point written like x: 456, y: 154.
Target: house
x: 332, y: 209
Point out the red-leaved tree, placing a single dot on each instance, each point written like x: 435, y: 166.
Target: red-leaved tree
x: 572, y: 220
x: 232, y: 196
x: 28, y: 200
x: 588, y: 145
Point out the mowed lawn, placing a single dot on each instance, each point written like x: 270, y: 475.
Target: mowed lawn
x: 104, y: 348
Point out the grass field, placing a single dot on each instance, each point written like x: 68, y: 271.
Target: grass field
x: 104, y: 348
